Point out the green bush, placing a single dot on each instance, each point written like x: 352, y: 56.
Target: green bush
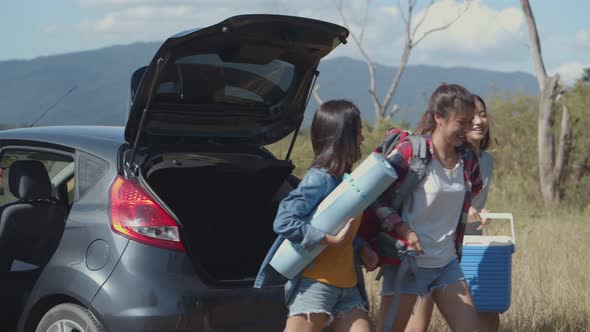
x: 550, y: 280
x: 515, y: 183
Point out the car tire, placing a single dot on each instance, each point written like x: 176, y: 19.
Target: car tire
x: 69, y: 317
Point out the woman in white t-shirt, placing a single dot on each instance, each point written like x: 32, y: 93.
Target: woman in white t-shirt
x: 432, y: 217
x: 479, y: 140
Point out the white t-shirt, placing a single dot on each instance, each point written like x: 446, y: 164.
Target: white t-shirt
x: 433, y: 210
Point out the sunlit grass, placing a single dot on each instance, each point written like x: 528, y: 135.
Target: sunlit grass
x: 550, y: 275
x: 551, y: 265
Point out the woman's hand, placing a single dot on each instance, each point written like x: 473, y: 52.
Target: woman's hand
x: 474, y: 217
x: 406, y: 233
x: 368, y: 258
x: 484, y: 221
x: 340, y: 238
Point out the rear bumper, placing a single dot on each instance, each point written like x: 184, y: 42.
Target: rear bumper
x: 157, y: 290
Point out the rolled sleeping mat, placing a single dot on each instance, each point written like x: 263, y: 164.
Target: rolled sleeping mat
x: 355, y: 193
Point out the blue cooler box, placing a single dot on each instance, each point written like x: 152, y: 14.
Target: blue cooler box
x: 487, y: 265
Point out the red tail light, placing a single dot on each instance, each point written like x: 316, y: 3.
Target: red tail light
x: 136, y: 215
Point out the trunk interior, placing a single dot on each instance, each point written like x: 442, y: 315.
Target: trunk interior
x: 226, y: 204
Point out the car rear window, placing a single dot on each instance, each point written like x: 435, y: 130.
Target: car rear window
x: 207, y: 79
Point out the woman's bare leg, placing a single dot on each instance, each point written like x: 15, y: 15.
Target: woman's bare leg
x: 456, y: 305
x: 355, y: 320
x: 404, y: 310
x: 314, y: 322
x: 488, y: 321
x: 420, y: 318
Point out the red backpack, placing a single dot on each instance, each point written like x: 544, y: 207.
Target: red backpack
x: 388, y: 245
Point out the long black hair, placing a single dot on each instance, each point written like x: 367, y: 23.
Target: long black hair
x: 334, y: 136
x: 485, y: 142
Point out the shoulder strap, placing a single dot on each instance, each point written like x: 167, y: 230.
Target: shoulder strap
x: 416, y: 171
x: 420, y: 155
x: 389, y: 143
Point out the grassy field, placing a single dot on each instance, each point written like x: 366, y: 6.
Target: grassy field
x: 551, y: 265
x: 550, y: 275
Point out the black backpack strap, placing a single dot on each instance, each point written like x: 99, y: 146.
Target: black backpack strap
x: 416, y: 170
x: 389, y: 144
x: 419, y: 146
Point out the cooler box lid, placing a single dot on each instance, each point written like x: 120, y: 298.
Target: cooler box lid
x: 487, y: 241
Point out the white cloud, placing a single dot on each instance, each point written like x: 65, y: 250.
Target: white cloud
x: 50, y: 29
x: 478, y: 29
x: 583, y: 38
x: 107, y: 3
x: 571, y: 71
x: 392, y: 11
x: 479, y: 38
x: 106, y: 23
x: 145, y: 20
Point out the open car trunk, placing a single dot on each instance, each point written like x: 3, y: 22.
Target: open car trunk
x: 226, y: 204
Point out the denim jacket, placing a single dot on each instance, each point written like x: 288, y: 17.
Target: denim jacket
x: 293, y: 223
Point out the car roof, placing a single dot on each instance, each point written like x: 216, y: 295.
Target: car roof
x: 103, y: 141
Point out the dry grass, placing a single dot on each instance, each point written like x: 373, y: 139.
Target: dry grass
x: 550, y: 276
x: 551, y: 265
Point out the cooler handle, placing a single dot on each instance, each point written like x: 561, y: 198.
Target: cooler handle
x: 502, y: 216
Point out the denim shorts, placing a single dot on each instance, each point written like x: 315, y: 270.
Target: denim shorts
x: 424, y: 281
x: 313, y: 296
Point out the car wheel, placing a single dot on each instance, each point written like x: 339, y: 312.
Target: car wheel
x: 69, y: 317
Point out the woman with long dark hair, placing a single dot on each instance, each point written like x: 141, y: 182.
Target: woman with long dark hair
x: 478, y: 139
x: 331, y: 289
x: 432, y: 219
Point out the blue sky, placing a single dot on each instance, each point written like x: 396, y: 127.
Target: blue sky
x: 490, y: 34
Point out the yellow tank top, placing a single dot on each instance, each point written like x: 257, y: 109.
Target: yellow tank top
x: 335, y: 265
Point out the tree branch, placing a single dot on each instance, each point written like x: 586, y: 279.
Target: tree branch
x: 368, y: 60
x: 408, y: 45
x: 397, y: 77
x: 423, y: 18
x: 443, y: 27
x: 535, y: 43
x: 316, y: 93
x: 381, y: 108
x: 394, y: 109
x: 401, y: 12
x: 365, y: 20
x: 408, y: 31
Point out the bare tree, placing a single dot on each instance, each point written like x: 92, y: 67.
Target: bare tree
x: 551, y: 163
x: 316, y: 93
x: 382, y: 106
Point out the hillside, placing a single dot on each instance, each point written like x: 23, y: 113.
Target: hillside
x: 100, y: 79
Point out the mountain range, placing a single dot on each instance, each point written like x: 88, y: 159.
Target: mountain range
x: 92, y: 87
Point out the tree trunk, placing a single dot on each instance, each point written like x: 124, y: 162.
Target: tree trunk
x: 381, y: 109
x: 551, y: 169
x: 395, y: 82
x: 546, y: 147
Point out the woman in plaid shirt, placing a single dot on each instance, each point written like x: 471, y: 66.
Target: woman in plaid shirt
x: 479, y: 139
x: 432, y: 218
